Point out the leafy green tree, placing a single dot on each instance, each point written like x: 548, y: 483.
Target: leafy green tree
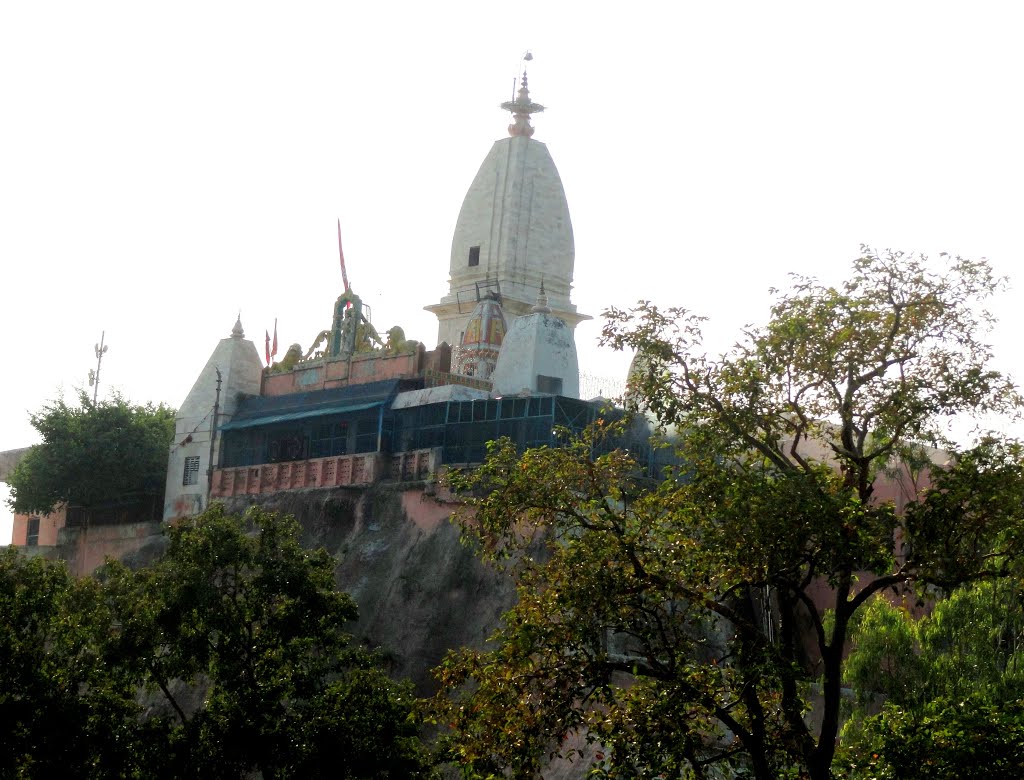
x: 674, y: 621
x: 970, y: 645
x: 238, y: 609
x: 952, y: 682
x: 66, y: 711
x: 93, y: 454
x: 967, y: 739
x: 886, y: 658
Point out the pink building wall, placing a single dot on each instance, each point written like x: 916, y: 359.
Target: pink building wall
x: 86, y: 549
x: 83, y: 549
x: 335, y: 471
x: 329, y: 374
x: 49, y: 525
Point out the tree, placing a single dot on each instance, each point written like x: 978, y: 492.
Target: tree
x: 970, y: 645
x: 239, y: 610
x: 952, y: 681
x: 968, y: 739
x: 66, y: 711
x: 238, y: 630
x: 675, y: 622
x: 93, y: 454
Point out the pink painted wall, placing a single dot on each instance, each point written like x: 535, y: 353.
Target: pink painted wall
x: 328, y: 374
x: 426, y: 511
x: 49, y: 525
x: 86, y: 549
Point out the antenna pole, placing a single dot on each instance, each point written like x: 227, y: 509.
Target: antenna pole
x: 94, y: 376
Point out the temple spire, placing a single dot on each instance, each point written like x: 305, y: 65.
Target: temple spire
x: 522, y: 107
x: 541, y: 307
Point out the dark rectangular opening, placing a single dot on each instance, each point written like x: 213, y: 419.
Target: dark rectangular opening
x: 474, y: 255
x: 32, y: 532
x: 549, y: 384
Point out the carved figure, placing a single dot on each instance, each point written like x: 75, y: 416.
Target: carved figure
x: 397, y: 343
x: 291, y: 357
x: 351, y: 331
x: 367, y: 339
x: 319, y: 348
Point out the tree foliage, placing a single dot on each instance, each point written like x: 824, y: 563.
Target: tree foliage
x: 239, y: 607
x: 93, y: 454
x: 966, y: 739
x: 970, y: 645
x: 67, y: 712
x: 238, y: 638
x: 952, y: 682
x: 676, y: 622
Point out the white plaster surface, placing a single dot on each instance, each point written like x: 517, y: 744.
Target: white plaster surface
x: 516, y: 212
x: 240, y: 369
x: 537, y: 344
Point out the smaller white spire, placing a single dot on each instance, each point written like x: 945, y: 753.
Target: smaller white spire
x: 236, y: 331
x: 541, y: 306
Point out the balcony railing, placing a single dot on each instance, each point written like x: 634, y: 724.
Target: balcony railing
x: 336, y: 471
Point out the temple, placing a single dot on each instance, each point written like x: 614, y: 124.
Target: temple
x: 356, y: 408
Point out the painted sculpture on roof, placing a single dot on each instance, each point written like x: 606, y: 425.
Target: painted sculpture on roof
x: 351, y: 332
x: 398, y: 344
x: 319, y: 347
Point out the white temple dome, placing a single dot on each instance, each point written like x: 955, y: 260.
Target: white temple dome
x: 513, y: 232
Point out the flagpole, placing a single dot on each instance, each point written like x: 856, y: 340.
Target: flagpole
x: 341, y: 254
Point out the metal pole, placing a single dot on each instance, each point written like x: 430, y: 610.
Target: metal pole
x: 94, y: 378
x: 380, y: 427
x: 213, y: 438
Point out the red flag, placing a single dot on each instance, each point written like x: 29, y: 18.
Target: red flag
x: 344, y: 274
x: 268, y: 346
x: 273, y: 349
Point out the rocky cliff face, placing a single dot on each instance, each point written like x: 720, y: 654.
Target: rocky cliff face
x: 420, y: 591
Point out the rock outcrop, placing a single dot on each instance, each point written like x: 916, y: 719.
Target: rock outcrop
x: 420, y: 591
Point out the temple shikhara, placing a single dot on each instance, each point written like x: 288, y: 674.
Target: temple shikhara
x: 358, y: 407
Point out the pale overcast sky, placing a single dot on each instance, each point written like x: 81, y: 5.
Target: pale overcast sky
x: 163, y: 166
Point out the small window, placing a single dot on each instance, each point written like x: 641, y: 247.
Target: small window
x: 549, y: 384
x: 191, y: 473
x: 32, y: 532
x: 474, y: 256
